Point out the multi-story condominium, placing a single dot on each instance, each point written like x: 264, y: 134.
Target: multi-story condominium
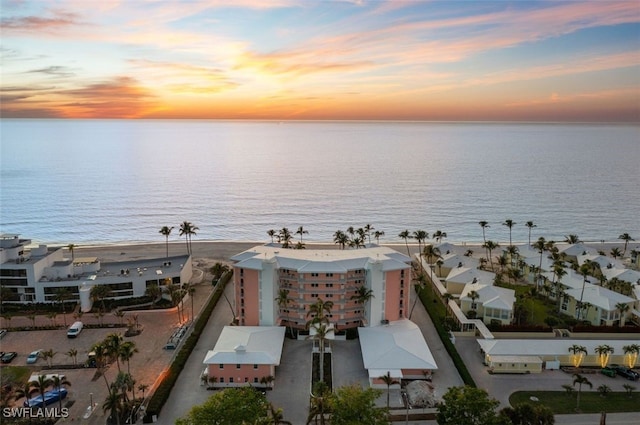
x: 275, y: 286
x: 36, y: 275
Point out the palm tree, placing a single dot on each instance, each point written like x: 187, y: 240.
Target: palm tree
x: 100, y: 351
x: 126, y: 351
x: 48, y: 355
x: 58, y: 382
x: 580, y: 380
x: 301, y: 232
x: 73, y: 353
x: 604, y: 351
x: 585, y: 269
x: 439, y: 235
x: 368, y: 228
x: 52, y: 316
x: 631, y: 354
x: 490, y: 246
x: 41, y: 385
x: 340, y: 238
x: 484, y: 225
x: 186, y: 229
x: 377, y: 234
x: 615, y: 252
x: 540, y: 245
x: 61, y: 295
x: 285, y: 237
x: 530, y: 226
x: 71, y: 247
x: 277, y: 416
x: 321, y: 332
x: 572, y: 239
x: 623, y: 308
x: 166, y: 231
x: 154, y: 292
x: 626, y: 238
x: 577, y: 354
x: 406, y: 236
x: 509, y: 223
x: 283, y: 301
x: 389, y: 381
x: 24, y: 391
x: 99, y: 293
x: 114, y: 404
x: 113, y: 343
x: 320, y: 403
x: 420, y: 236
x: 143, y: 388
x: 362, y: 296
x: 318, y: 310
x: 271, y: 234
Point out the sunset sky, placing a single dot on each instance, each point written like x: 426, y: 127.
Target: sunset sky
x: 311, y: 59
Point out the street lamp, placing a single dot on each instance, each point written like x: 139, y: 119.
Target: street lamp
x: 405, y: 397
x: 91, y: 401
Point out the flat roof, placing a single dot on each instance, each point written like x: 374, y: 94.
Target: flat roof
x: 248, y: 345
x: 547, y: 347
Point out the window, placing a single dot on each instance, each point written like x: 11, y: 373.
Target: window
x: 222, y: 379
x: 314, y: 274
x: 329, y: 274
x: 241, y: 272
x: 255, y: 380
x: 246, y: 379
x: 474, y: 305
x: 237, y: 366
x: 231, y: 380
x: 255, y: 366
x: 221, y: 366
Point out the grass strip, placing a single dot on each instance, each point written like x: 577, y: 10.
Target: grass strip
x: 561, y: 402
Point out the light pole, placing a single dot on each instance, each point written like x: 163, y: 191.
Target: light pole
x: 91, y: 401
x: 405, y: 397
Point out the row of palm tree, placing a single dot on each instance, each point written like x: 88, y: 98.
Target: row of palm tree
x: 187, y: 229
x: 284, y: 237
x: 508, y: 223
x: 39, y: 386
x: 603, y: 352
x: 357, y: 238
x: 421, y: 236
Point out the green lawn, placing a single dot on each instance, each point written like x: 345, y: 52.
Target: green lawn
x: 15, y: 375
x: 590, y: 402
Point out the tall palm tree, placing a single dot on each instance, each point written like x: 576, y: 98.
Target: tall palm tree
x: 377, y: 234
x: 25, y: 391
x: 389, y: 381
x: 626, y: 238
x: 143, y: 388
x: 368, y: 228
x: 530, y: 226
x: 126, y: 351
x: 187, y: 229
x: 99, y: 293
x: 271, y: 234
x: 631, y: 354
x: 585, y: 270
x: 509, y: 223
x: 301, y: 232
x: 580, y: 380
x: 362, y: 296
x: 114, y: 405
x: 41, y: 385
x: 320, y: 403
x: 490, y: 246
x: 113, y: 343
x: 623, y: 308
x: 283, y: 301
x: 484, y: 224
x: 420, y: 236
x: 166, y: 231
x: 73, y: 353
x: 322, y: 331
x: 61, y: 295
x: 101, y: 353
x: 406, y: 236
x: 59, y: 381
x: 277, y: 416
x: 603, y: 351
x: 318, y: 310
x: 48, y: 355
x: 615, y: 252
x: 577, y: 354
x: 540, y: 245
x: 71, y: 247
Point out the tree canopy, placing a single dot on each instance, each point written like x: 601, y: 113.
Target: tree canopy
x: 231, y: 406
x: 353, y: 405
x: 468, y: 405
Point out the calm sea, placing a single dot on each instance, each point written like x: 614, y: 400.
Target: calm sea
x: 113, y: 181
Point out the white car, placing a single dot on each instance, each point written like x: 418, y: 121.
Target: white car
x: 33, y: 357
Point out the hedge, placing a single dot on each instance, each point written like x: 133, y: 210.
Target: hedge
x: 162, y: 392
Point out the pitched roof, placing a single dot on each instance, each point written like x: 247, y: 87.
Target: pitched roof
x: 600, y: 297
x: 398, y: 345
x: 467, y: 275
x: 248, y: 345
x: 627, y: 275
x: 453, y: 260
x: 491, y: 296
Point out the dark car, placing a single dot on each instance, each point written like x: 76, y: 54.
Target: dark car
x: 7, y: 357
x: 624, y: 371
x: 609, y: 371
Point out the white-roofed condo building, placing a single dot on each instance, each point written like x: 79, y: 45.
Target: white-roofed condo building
x: 307, y: 275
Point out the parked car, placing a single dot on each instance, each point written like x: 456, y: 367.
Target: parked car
x: 49, y: 397
x: 33, y: 356
x: 7, y: 357
x: 609, y: 371
x: 3, y: 332
x: 631, y: 375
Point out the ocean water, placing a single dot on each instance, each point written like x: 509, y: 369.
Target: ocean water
x: 120, y: 181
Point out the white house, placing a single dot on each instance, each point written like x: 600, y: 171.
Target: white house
x: 492, y: 302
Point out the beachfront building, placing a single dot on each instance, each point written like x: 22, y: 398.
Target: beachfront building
x: 244, y: 355
x: 460, y: 277
x: 597, y: 305
x: 36, y: 275
x: 398, y: 349
x: 263, y: 274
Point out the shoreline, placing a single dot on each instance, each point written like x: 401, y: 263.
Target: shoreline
x: 224, y: 250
